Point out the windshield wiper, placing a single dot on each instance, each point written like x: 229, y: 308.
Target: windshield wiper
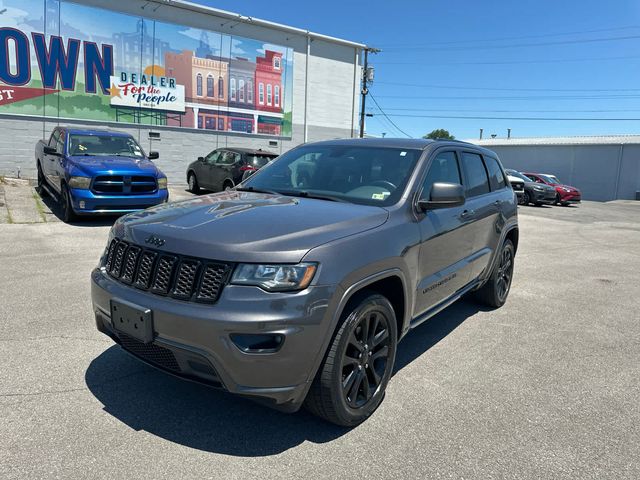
x: 256, y: 190
x: 317, y: 196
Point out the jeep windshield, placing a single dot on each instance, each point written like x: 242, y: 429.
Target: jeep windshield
x: 364, y: 175
x: 104, y: 145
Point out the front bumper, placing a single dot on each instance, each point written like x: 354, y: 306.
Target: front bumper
x: 193, y: 340
x: 85, y: 202
x: 544, y: 196
x: 570, y: 197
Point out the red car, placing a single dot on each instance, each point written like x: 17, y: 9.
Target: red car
x: 565, y: 194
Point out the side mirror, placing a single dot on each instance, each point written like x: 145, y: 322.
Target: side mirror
x: 443, y: 195
x: 201, y: 159
x: 154, y: 155
x: 49, y: 150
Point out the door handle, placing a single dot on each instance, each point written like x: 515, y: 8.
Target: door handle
x: 497, y: 203
x: 467, y: 213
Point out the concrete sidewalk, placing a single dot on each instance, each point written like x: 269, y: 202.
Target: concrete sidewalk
x: 20, y: 202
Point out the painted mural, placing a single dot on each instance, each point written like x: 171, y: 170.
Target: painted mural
x: 66, y: 60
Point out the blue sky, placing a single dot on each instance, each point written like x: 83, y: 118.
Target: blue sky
x: 540, y: 55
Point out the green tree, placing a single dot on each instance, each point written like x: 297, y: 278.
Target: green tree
x: 439, y: 133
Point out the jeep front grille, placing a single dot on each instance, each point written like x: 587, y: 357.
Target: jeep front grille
x: 185, y: 278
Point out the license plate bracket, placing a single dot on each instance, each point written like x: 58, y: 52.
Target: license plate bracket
x: 132, y: 320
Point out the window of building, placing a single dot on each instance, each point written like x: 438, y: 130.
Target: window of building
x: 200, y: 121
x: 233, y: 88
x: 210, y: 86
x: 241, y: 90
x: 277, y: 95
x: 220, y: 87
x: 210, y: 123
x: 276, y: 63
x: 496, y: 177
x: 249, y: 91
x: 444, y: 168
x: 199, y: 85
x: 221, y: 124
x: 269, y: 94
x: 476, y: 174
x: 261, y: 93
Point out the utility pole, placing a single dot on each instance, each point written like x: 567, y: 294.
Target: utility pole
x: 367, y: 76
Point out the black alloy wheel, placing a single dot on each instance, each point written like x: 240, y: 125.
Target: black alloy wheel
x: 353, y: 377
x: 495, y: 291
x: 526, y: 199
x: 365, y: 359
x: 505, y: 274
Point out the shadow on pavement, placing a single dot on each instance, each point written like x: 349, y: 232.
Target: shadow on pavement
x: 93, y: 221
x: 214, y: 421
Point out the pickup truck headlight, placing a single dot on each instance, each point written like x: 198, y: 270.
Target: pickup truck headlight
x: 80, y: 182
x: 275, y: 278
x: 162, y: 183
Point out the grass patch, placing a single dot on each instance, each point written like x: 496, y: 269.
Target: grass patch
x: 40, y: 207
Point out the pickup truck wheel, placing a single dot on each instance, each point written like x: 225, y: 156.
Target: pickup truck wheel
x: 193, y: 183
x: 68, y: 215
x: 41, y: 190
x: 494, y: 293
x: 352, y: 380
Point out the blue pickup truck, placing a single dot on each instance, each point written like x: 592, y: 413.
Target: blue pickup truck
x: 98, y: 172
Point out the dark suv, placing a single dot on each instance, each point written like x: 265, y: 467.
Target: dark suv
x: 296, y: 286
x: 224, y: 168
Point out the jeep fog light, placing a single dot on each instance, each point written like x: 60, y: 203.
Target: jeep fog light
x: 257, y: 343
x: 275, y: 278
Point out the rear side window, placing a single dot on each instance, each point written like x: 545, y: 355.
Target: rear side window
x: 476, y: 174
x: 496, y: 177
x: 443, y: 168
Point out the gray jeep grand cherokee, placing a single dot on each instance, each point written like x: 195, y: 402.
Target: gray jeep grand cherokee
x: 296, y: 287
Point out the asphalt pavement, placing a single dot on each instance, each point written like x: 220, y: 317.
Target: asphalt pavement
x: 546, y: 387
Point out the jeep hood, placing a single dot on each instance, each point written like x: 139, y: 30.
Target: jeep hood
x: 247, y: 227
x: 112, y: 165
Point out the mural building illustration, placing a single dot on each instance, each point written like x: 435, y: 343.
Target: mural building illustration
x: 64, y: 60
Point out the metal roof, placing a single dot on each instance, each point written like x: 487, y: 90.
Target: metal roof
x: 194, y: 7
x: 581, y: 140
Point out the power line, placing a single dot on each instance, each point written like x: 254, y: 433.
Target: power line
x: 536, y: 98
x: 512, y: 89
x: 572, y: 119
x: 509, y: 111
x: 387, y: 117
x: 524, y: 37
x: 513, y: 62
x: 520, y: 45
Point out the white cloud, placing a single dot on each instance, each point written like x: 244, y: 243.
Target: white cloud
x: 235, y: 47
x: 15, y: 18
x: 193, y: 33
x: 273, y: 48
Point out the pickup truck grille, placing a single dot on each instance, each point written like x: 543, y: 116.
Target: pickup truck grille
x: 124, y: 185
x: 185, y: 278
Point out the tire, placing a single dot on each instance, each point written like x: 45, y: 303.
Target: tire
x: 526, y: 199
x: 353, y: 377
x: 494, y: 293
x: 227, y: 186
x: 557, y: 202
x: 68, y: 215
x: 41, y: 181
x: 193, y: 183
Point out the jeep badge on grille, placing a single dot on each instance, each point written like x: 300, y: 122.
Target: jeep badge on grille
x: 153, y: 240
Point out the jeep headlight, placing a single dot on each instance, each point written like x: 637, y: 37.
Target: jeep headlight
x: 162, y: 183
x: 275, y: 278
x: 80, y: 182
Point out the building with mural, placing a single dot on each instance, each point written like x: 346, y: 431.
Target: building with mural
x: 171, y: 68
